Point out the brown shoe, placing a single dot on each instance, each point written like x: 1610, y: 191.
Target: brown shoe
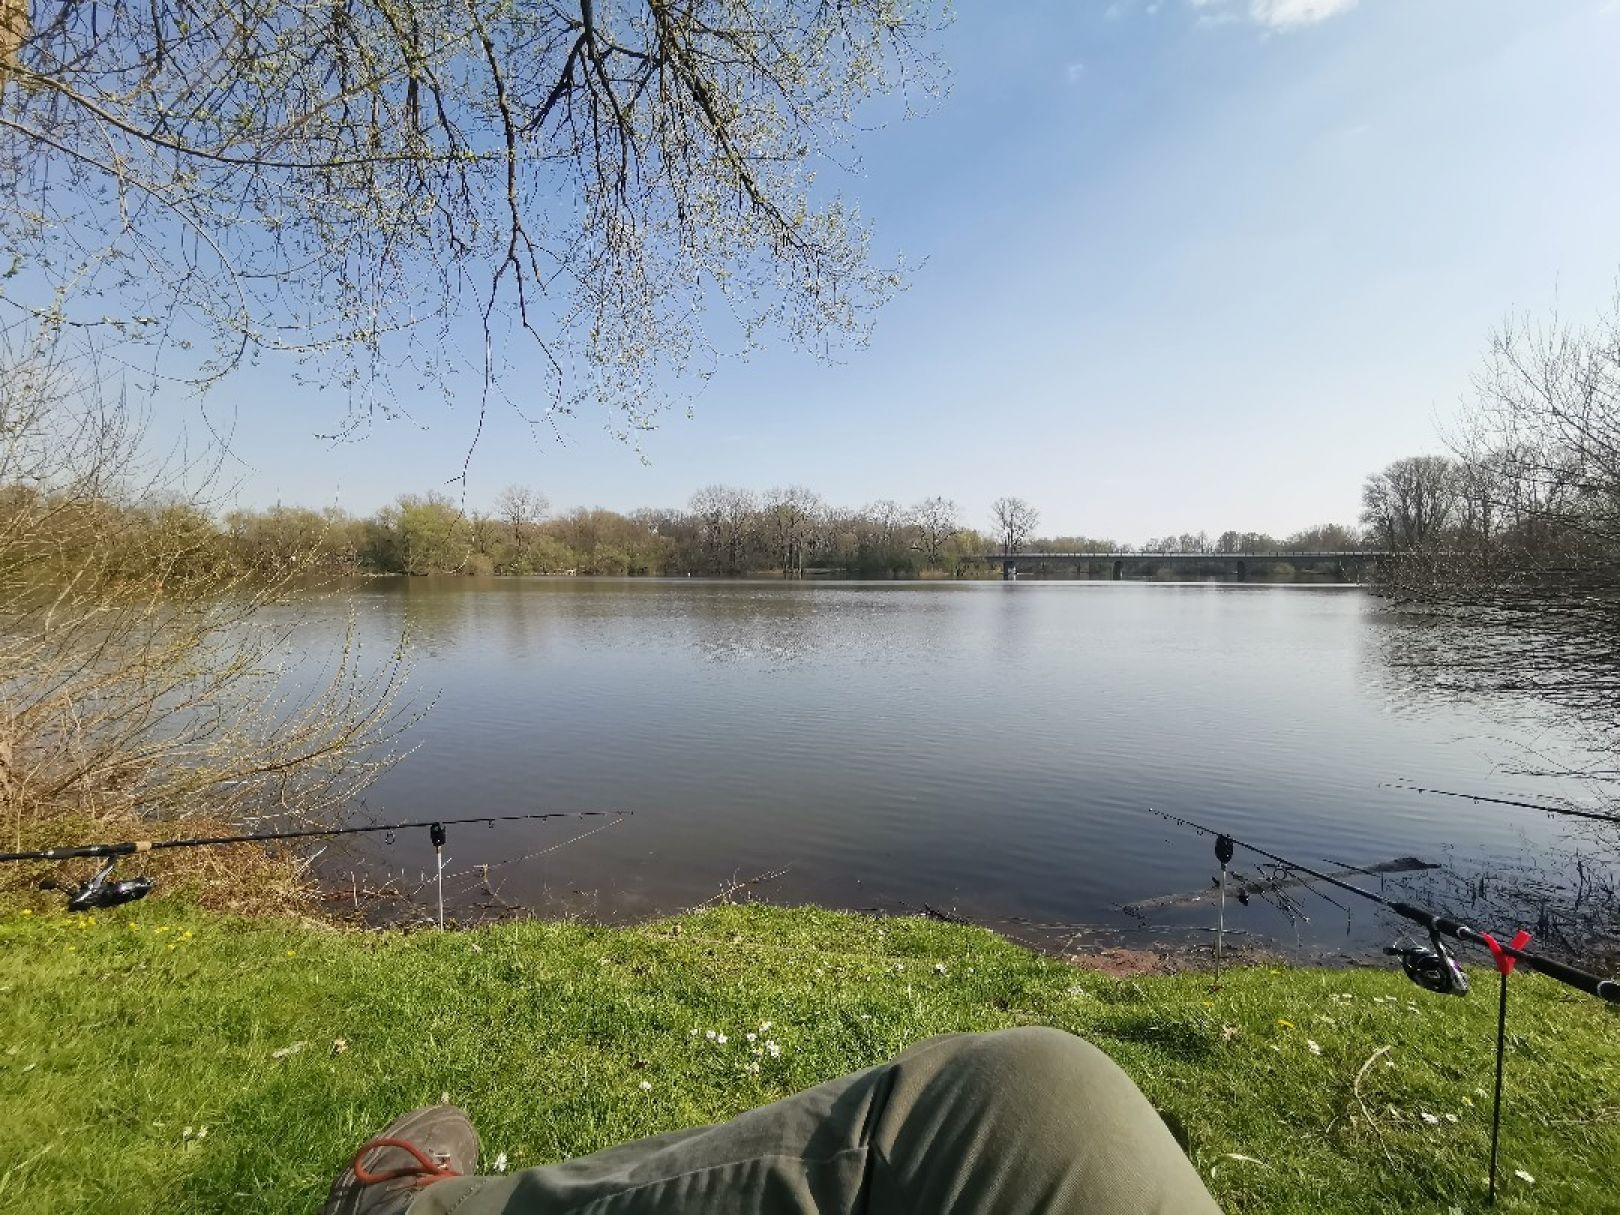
x: 412, y: 1151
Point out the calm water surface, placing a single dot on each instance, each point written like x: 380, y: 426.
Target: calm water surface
x: 987, y: 748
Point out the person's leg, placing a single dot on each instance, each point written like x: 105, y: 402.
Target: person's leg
x: 1022, y: 1120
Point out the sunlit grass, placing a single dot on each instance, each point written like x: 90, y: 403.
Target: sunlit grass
x: 166, y: 1059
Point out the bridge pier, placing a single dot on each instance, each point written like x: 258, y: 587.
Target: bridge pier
x: 1009, y: 570
x: 1242, y: 571
x: 1119, y: 570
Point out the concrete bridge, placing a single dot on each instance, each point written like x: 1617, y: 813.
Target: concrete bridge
x: 1344, y: 566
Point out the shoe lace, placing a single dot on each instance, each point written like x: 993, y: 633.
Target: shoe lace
x: 423, y: 1167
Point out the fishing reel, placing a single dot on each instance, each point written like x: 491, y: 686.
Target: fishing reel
x: 1432, y: 967
x: 102, y: 892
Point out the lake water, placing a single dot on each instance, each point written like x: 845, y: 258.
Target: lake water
x: 988, y: 749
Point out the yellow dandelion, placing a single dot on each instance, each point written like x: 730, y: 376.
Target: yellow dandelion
x: 292, y: 953
x: 27, y: 911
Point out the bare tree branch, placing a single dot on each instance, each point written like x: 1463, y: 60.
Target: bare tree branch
x: 350, y: 181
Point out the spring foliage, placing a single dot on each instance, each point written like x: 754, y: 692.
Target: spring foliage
x: 391, y: 191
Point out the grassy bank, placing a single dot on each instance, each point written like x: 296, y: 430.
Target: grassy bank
x: 166, y: 1059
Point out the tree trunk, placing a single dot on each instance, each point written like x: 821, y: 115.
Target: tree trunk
x: 13, y: 29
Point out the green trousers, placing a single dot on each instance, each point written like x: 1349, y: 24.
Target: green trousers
x: 1023, y: 1120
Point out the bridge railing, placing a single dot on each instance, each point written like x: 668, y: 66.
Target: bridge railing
x: 1267, y: 554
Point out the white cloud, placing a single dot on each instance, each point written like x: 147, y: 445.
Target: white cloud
x: 1213, y: 12
x: 1292, y: 14
x: 1281, y: 15
x: 1073, y: 71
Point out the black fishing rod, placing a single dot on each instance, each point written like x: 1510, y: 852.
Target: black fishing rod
x: 1433, y: 968
x: 102, y: 891
x: 1438, y: 973
x: 1569, y: 811
x: 131, y: 847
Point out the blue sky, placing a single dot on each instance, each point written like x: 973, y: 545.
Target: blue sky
x: 1189, y: 264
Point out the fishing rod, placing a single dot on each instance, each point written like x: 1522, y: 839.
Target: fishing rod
x: 1432, y: 968
x: 1569, y: 811
x: 129, y: 847
x: 1438, y: 972
x: 102, y: 891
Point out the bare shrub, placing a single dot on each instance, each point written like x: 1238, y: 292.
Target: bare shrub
x: 142, y: 674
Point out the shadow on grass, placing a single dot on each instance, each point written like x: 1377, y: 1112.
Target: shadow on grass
x: 1179, y: 1040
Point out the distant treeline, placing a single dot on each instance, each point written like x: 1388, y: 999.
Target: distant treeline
x: 722, y: 532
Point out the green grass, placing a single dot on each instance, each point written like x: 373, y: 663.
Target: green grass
x: 121, y: 1039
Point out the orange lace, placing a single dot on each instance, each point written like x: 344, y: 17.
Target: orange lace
x: 423, y: 1167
